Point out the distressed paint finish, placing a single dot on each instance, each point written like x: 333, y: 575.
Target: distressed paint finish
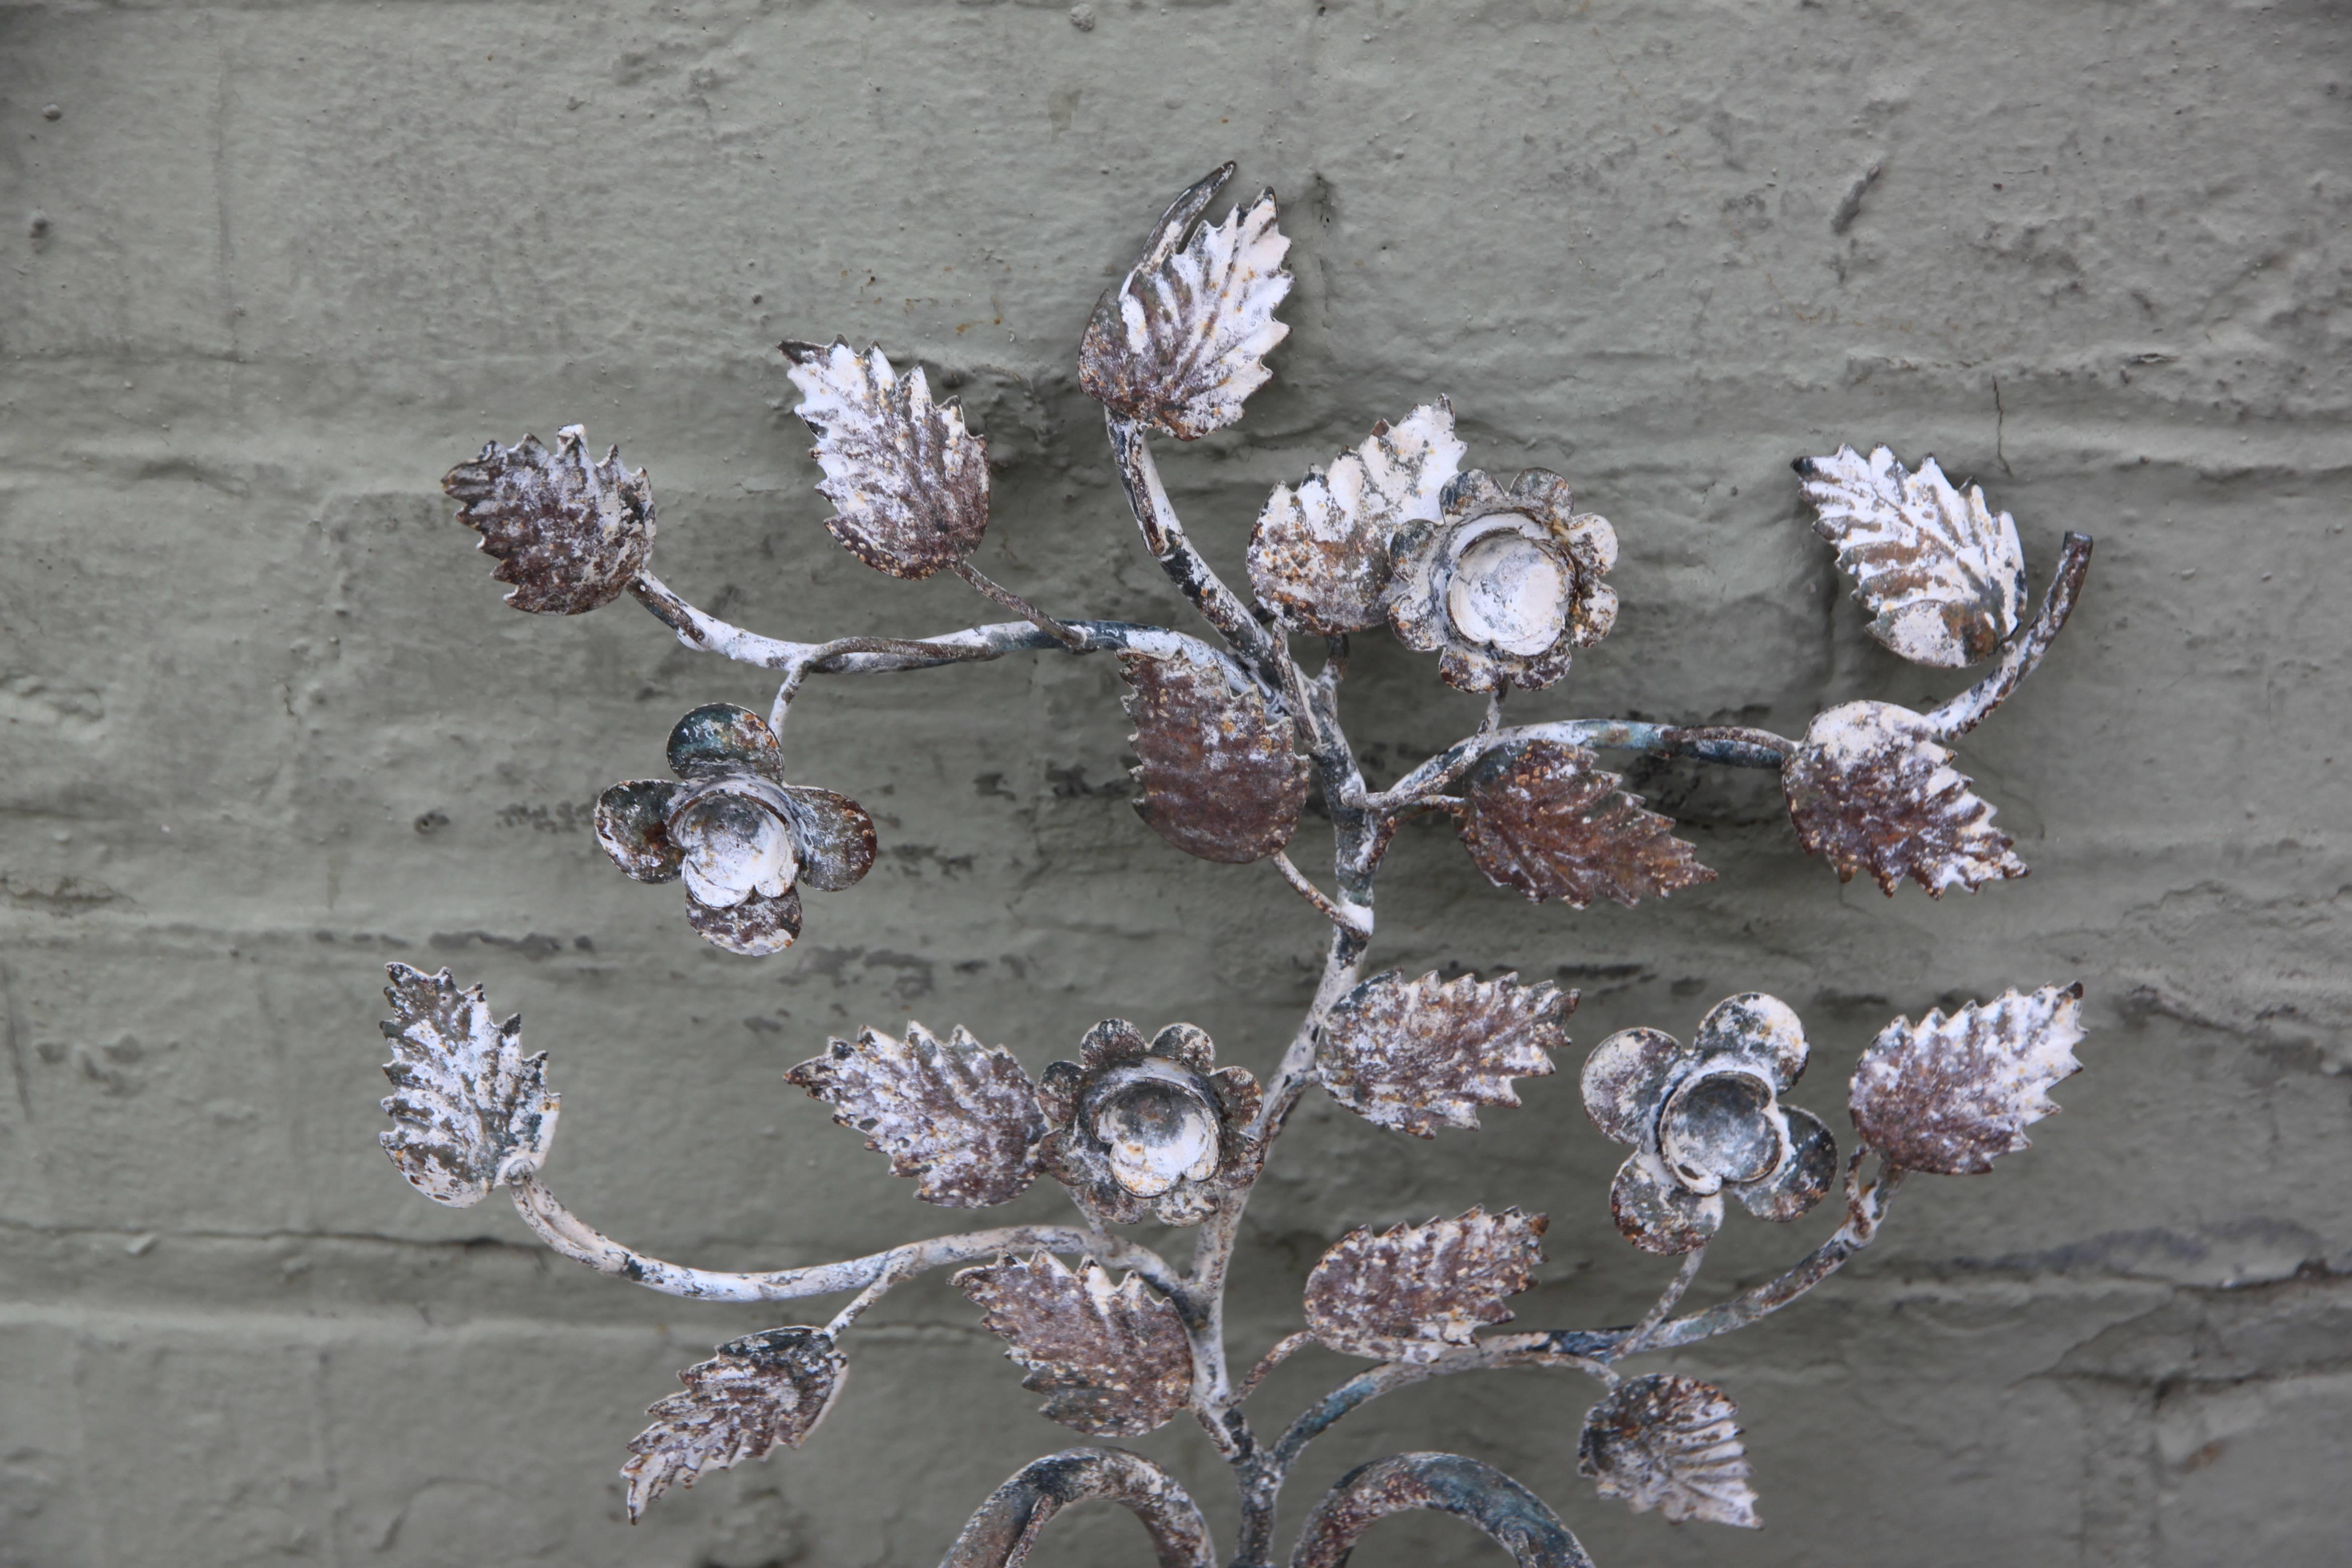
x: 1873, y: 791
x: 1547, y: 819
x: 1951, y: 1092
x: 1672, y: 1444
x: 470, y: 1111
x: 1142, y: 1128
x: 959, y: 1116
x: 752, y: 1394
x: 1417, y: 1054
x: 1409, y: 1291
x: 1008, y: 1524
x: 1218, y: 775
x: 1512, y: 1516
x: 1114, y: 1359
x: 569, y: 531
x: 907, y: 482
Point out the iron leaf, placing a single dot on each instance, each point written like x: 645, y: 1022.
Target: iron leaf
x: 1546, y: 818
x: 1113, y: 1360
x: 1179, y: 342
x: 907, y: 482
x: 1407, y: 1292
x: 1319, y: 554
x: 957, y: 1115
x: 1670, y: 1444
x: 752, y: 1394
x: 1944, y: 576
x: 1219, y: 777
x: 470, y: 1111
x: 569, y: 532
x: 1413, y: 1054
x: 1872, y: 789
x: 1947, y: 1095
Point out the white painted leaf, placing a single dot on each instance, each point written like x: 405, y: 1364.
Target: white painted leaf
x: 1871, y: 789
x: 470, y: 1111
x: 1409, y: 1291
x: 907, y: 482
x: 959, y: 1115
x: 1670, y: 1444
x: 1319, y: 554
x: 753, y: 1393
x: 1943, y: 575
x: 1413, y: 1054
x: 1949, y: 1094
x: 1181, y: 341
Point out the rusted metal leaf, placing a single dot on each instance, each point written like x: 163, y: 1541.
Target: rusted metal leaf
x: 1113, y: 1359
x: 1872, y: 789
x: 1219, y: 777
x: 1149, y: 1129
x: 1179, y: 342
x: 753, y: 1393
x: 1670, y: 1444
x: 1546, y: 818
x: 1943, y: 575
x: 1319, y: 554
x: 470, y: 1111
x: 907, y: 482
x: 1406, y: 1293
x: 1413, y: 1054
x: 1949, y: 1094
x: 956, y: 1114
x: 569, y: 532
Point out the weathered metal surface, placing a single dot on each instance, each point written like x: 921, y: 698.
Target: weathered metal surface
x: 1181, y: 341
x: 1943, y: 575
x: 570, y: 533
x: 1219, y: 777
x: 1508, y: 584
x: 1407, y: 1292
x: 1512, y: 1516
x: 907, y: 482
x: 1417, y: 1054
x: 957, y: 1115
x: 1670, y: 1444
x: 1705, y: 1119
x: 1153, y: 1129
x: 1320, y: 556
x: 1005, y: 1529
x: 753, y: 1393
x: 1949, y: 1093
x: 1548, y: 820
x: 470, y: 1111
x: 1871, y: 790
x: 1113, y: 1360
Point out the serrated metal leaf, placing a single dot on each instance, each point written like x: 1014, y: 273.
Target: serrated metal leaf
x: 1179, y: 342
x: 1219, y: 777
x: 1407, y: 1292
x: 1546, y: 818
x: 957, y: 1115
x: 1413, y: 1054
x: 1670, y: 1444
x: 1943, y: 575
x: 1947, y: 1095
x: 907, y: 482
x: 752, y: 1394
x: 569, y: 532
x: 1113, y: 1359
x: 1319, y: 554
x: 470, y: 1111
x: 1872, y: 790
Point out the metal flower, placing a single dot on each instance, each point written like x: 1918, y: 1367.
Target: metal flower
x: 742, y: 838
x: 1508, y: 582
x: 1706, y: 1117
x: 1144, y: 1130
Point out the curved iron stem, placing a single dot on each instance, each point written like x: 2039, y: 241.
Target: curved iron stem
x: 1514, y: 1517
x: 999, y: 1534
x: 1974, y: 706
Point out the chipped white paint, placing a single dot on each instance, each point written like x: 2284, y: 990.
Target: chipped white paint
x: 470, y: 1111
x: 1949, y: 1094
x: 1319, y: 553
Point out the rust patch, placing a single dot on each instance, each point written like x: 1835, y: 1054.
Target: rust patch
x: 907, y: 482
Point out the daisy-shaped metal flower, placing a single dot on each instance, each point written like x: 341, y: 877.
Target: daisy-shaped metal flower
x: 1506, y: 582
x: 743, y: 839
x: 1149, y: 1129
x: 1706, y: 1118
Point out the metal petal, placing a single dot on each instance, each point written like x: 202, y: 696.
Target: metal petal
x: 633, y: 826
x: 1654, y: 1211
x: 570, y: 533
x: 758, y: 926
x: 721, y: 738
x: 1803, y: 1178
x: 1756, y: 1028
x: 834, y: 834
x: 1626, y: 1082
x: 1186, y: 1043
x: 734, y: 846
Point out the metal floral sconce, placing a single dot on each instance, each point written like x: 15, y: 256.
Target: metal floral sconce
x: 1504, y: 581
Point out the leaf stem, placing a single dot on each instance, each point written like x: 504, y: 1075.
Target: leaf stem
x: 1338, y: 914
x: 991, y: 589
x: 1974, y: 706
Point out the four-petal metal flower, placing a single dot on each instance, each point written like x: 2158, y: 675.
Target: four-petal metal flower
x: 742, y: 838
x: 1508, y: 582
x: 1149, y: 1129
x: 1706, y: 1117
